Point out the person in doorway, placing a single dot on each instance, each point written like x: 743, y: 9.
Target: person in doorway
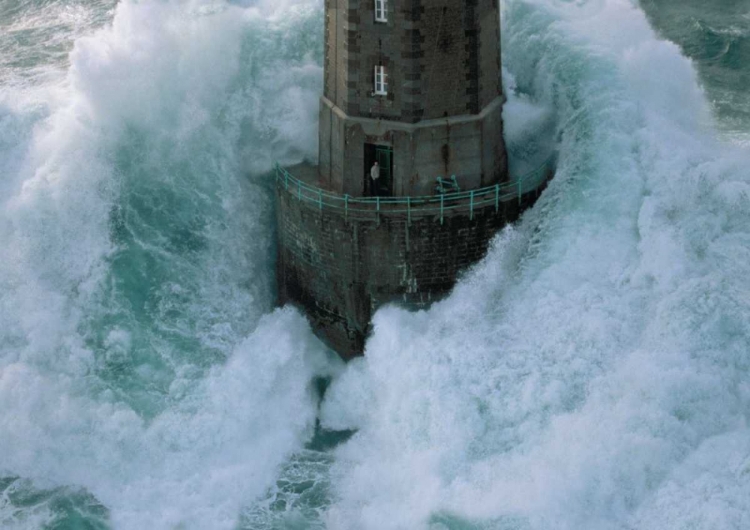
x: 374, y: 176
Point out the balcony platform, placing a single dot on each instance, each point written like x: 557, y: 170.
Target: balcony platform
x: 342, y: 257
x: 302, y: 182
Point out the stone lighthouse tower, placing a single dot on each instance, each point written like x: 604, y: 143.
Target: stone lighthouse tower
x: 414, y: 86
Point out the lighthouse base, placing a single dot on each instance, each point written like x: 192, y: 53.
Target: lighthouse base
x: 340, y: 265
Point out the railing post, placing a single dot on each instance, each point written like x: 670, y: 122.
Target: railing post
x: 519, y: 191
x: 535, y: 179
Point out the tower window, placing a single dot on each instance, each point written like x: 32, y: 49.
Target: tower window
x: 381, y: 10
x: 381, y: 81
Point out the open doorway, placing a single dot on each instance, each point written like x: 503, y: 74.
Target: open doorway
x: 383, y: 155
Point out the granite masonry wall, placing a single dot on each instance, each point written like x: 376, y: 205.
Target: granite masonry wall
x: 442, y: 57
x: 442, y: 115
x: 468, y: 146
x: 340, y: 268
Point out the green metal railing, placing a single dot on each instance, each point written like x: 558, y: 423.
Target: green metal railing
x: 441, y: 204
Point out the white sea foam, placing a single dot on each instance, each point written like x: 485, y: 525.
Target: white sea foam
x: 135, y: 358
x: 591, y: 372
x: 196, y: 463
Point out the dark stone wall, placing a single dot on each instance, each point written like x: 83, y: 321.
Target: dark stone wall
x: 335, y: 72
x: 489, y: 58
x: 468, y: 146
x: 339, y: 269
x: 442, y: 58
x: 442, y: 115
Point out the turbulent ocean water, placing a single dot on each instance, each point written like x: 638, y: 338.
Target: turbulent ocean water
x: 591, y: 373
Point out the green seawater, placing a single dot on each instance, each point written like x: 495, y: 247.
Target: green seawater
x: 148, y: 381
x: 716, y: 35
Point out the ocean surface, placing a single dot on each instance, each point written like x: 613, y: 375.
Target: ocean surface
x: 591, y: 373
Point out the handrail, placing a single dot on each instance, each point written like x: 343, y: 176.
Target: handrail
x: 490, y: 195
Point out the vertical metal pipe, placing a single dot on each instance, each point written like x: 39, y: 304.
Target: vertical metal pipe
x: 519, y: 192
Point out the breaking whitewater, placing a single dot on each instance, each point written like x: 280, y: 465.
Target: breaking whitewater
x: 592, y: 373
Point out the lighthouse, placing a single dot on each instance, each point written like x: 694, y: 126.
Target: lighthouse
x: 412, y: 176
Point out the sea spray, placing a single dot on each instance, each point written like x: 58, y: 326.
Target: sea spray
x: 141, y: 361
x: 602, y: 342
x: 590, y: 373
